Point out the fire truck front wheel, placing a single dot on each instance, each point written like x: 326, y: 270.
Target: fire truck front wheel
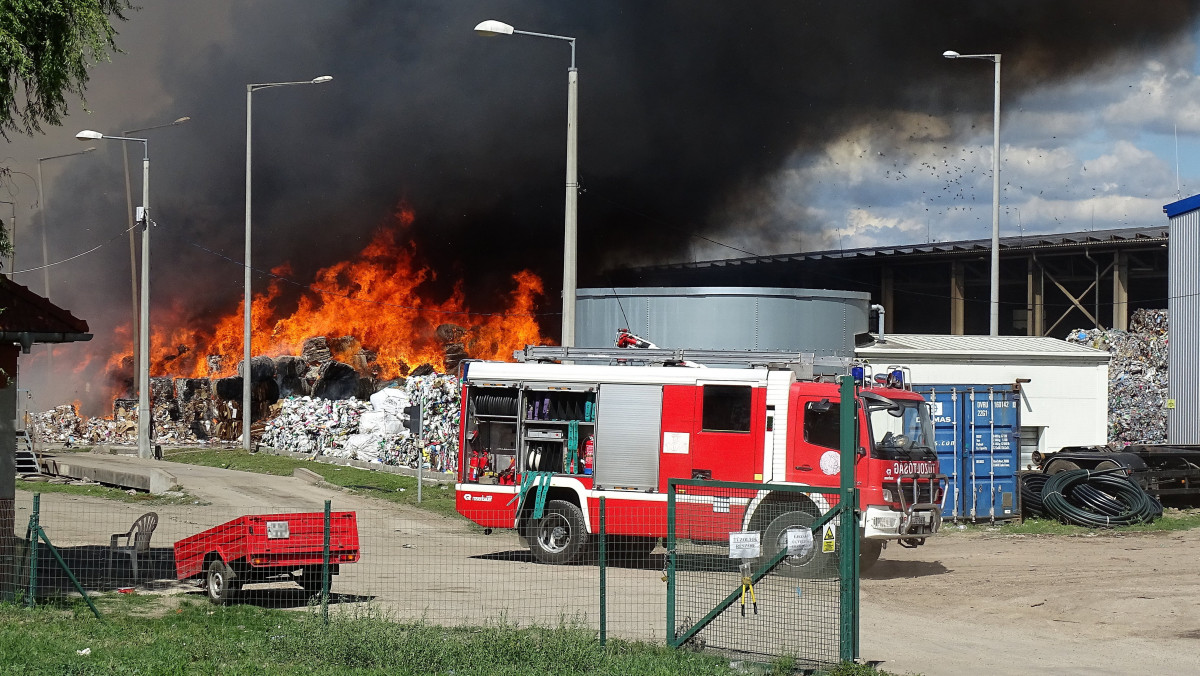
x: 868, y: 553
x: 811, y: 565
x: 560, y: 535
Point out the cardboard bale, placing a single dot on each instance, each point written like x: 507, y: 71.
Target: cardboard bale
x: 336, y: 381
x: 316, y: 350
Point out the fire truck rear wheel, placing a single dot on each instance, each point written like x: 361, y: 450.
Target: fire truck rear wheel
x: 812, y: 565
x: 868, y: 553
x: 560, y: 535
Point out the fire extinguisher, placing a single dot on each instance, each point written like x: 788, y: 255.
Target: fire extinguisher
x: 589, y: 449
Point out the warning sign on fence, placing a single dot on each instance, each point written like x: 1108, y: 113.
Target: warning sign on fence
x: 829, y: 542
x: 799, y: 541
x: 744, y: 544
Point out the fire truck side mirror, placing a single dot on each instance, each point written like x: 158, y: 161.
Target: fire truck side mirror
x: 412, y: 418
x: 862, y: 451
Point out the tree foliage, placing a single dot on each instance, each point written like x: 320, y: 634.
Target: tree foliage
x: 46, y: 47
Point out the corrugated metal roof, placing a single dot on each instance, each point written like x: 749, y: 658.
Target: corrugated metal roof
x: 1015, y: 346
x: 1067, y: 240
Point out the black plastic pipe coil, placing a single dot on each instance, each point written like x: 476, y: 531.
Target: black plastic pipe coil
x: 1031, y: 494
x: 1097, y: 499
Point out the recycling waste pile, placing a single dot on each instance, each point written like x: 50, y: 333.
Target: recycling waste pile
x: 374, y: 431
x: 1137, y: 377
x: 370, y: 431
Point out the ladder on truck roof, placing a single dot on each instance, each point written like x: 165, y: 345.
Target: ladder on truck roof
x: 660, y: 356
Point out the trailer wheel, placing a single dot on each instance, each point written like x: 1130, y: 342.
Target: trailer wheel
x: 814, y: 564
x: 868, y: 553
x: 560, y: 535
x: 1061, y: 466
x: 219, y: 582
x: 310, y: 580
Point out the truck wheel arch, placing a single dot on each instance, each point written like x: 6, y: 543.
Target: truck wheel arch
x: 568, y: 490
x: 760, y: 508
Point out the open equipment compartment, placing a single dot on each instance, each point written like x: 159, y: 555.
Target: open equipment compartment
x: 558, y: 427
x: 491, y: 434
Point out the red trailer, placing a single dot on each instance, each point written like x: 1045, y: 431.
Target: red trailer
x: 267, y: 548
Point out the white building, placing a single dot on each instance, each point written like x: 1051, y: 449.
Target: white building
x: 1063, y: 386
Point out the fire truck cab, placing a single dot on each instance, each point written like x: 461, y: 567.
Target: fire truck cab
x: 550, y: 439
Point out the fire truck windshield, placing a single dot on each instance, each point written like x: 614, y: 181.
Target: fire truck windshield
x: 901, y: 430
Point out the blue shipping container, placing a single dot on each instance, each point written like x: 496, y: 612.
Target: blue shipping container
x: 976, y: 430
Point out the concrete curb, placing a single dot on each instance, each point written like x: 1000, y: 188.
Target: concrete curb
x: 150, y: 479
x: 427, y: 475
x: 307, y: 476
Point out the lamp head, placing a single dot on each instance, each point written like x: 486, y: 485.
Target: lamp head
x: 493, y: 27
x: 950, y: 54
x: 89, y: 135
x: 322, y: 79
x: 181, y: 120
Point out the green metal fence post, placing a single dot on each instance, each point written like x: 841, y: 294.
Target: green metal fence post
x: 603, y: 576
x: 848, y: 503
x: 34, y: 526
x: 671, y: 564
x: 63, y: 564
x: 325, y: 569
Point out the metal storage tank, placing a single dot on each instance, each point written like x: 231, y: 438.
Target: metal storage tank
x: 725, y: 318
x: 1183, y: 310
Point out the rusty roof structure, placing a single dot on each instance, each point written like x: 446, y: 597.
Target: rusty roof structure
x: 27, y: 318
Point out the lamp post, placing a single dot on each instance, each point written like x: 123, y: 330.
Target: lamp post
x: 570, y: 219
x: 42, y: 204
x: 246, y: 415
x: 145, y: 443
x: 12, y: 239
x: 133, y: 276
x: 994, y: 321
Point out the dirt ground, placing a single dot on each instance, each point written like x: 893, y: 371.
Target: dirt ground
x: 966, y: 603
x: 991, y: 604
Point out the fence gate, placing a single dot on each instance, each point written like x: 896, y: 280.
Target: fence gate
x: 734, y: 588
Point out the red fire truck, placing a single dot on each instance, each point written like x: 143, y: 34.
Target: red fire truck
x: 621, y: 428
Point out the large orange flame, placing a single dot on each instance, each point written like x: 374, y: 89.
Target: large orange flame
x: 375, y: 298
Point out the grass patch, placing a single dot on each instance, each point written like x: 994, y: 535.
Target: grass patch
x: 1172, y: 520
x: 106, y: 492
x: 396, y: 488
x: 195, y: 637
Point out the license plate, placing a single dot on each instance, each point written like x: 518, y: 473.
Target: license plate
x: 920, y: 519
x: 278, y: 530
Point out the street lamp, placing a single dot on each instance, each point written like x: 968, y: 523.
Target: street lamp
x: 491, y: 27
x: 995, y: 283
x: 12, y: 240
x: 133, y: 277
x: 246, y: 415
x: 42, y: 210
x: 145, y: 443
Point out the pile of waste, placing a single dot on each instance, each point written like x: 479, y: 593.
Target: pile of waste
x: 318, y: 426
x: 1137, y: 377
x: 374, y: 431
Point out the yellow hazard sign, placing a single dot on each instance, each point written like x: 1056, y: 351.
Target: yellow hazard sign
x: 829, y: 541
